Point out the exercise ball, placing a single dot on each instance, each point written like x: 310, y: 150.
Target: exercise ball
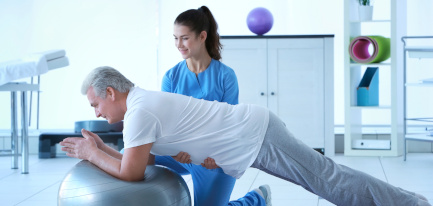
x: 86, y: 184
x: 260, y: 20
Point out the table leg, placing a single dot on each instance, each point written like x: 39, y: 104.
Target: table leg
x: 24, y: 134
x: 404, y: 147
x: 14, y: 131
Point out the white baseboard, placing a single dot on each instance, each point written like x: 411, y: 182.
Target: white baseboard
x: 413, y: 146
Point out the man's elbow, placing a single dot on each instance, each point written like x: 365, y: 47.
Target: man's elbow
x: 132, y: 175
x: 132, y: 178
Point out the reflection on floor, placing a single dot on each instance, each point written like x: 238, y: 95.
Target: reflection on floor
x: 40, y: 187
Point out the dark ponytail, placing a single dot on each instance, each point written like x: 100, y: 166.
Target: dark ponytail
x: 199, y: 20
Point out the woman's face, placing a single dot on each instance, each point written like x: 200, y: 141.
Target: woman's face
x: 187, y: 42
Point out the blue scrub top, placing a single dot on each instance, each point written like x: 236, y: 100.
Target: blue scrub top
x: 218, y: 82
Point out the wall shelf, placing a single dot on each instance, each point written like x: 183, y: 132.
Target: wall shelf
x: 393, y: 27
x: 419, y: 137
x: 370, y: 65
x: 372, y: 21
x: 419, y: 84
x: 370, y: 107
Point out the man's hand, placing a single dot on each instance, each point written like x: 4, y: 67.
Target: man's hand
x: 101, y: 145
x: 98, y: 140
x: 209, y: 163
x: 182, y: 157
x: 81, y: 148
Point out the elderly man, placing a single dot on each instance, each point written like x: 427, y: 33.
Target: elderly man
x: 235, y: 136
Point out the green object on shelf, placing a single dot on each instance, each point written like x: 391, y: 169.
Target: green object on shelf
x: 358, y: 49
x: 384, y: 48
x: 364, y: 2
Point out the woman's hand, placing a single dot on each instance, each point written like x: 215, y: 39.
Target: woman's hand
x: 209, y: 163
x: 182, y: 157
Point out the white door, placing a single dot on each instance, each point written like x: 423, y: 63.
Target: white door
x: 296, y: 80
x: 247, y: 57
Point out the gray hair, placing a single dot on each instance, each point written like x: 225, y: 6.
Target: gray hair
x: 103, y: 77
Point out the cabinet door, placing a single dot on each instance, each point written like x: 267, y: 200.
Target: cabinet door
x: 247, y: 57
x: 296, y: 80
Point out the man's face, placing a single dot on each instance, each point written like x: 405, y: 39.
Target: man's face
x: 104, y: 108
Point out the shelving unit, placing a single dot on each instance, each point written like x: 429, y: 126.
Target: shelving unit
x: 415, y: 52
x: 391, y: 109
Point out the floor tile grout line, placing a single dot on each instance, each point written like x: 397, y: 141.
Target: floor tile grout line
x: 16, y: 169
x: 15, y: 173
x: 383, y: 169
x: 37, y: 193
x: 50, y: 191
x: 252, y: 183
x: 8, y: 175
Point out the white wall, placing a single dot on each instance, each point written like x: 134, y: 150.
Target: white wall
x: 135, y: 36
x: 291, y: 17
x: 121, y: 34
x: 300, y: 17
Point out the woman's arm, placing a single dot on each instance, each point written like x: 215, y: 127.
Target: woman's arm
x: 166, y: 84
x: 231, y: 88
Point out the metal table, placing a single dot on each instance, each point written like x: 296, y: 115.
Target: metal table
x: 414, y: 52
x: 19, y: 88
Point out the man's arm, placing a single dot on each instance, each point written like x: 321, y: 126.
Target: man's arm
x: 100, y: 144
x: 130, y: 167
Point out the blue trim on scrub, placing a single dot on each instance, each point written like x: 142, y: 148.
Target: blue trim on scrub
x: 218, y: 82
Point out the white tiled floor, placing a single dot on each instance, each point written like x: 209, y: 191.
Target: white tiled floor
x: 40, y: 187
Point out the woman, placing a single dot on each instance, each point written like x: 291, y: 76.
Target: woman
x: 203, y: 76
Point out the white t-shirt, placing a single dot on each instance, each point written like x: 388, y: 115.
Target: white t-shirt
x: 230, y: 134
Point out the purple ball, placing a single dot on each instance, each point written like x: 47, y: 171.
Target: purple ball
x: 260, y: 20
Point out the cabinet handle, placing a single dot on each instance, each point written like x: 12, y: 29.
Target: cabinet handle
x: 272, y: 93
x: 263, y: 94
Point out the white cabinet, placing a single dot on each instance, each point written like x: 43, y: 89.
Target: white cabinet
x: 292, y: 76
x: 390, y: 109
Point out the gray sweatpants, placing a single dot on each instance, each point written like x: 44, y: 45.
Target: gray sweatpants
x: 286, y: 157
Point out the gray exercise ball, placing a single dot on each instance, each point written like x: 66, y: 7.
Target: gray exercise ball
x: 86, y: 184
